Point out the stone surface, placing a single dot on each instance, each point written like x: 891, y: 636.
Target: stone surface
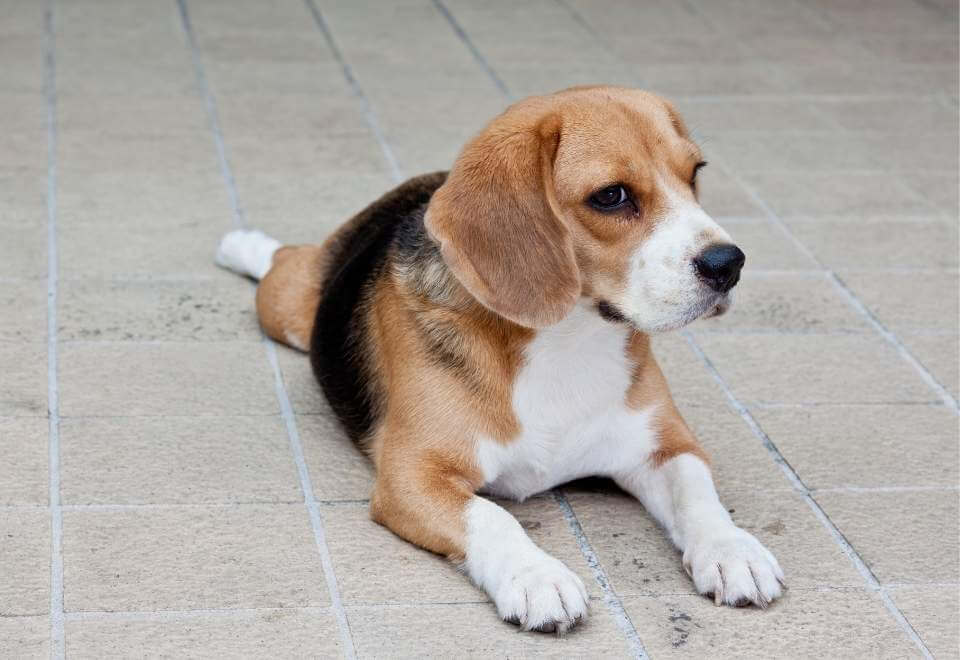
x: 25, y: 549
x: 279, y: 633
x: 125, y: 378
x: 904, y: 537
x: 848, y: 623
x: 933, y: 611
x: 831, y: 132
x: 866, y: 446
x: 815, y: 369
x: 189, y: 558
x: 163, y: 460
x: 25, y: 466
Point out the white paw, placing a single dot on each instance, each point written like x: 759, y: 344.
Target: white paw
x: 247, y: 252
x: 546, y: 596
x: 734, y: 567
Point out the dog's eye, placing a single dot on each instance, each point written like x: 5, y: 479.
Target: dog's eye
x: 696, y: 170
x: 611, y: 197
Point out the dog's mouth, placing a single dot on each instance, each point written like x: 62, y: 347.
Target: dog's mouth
x: 719, y: 308
x: 708, y: 308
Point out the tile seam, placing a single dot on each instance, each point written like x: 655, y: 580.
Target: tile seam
x: 283, y: 399
x: 57, y: 635
x: 839, y: 539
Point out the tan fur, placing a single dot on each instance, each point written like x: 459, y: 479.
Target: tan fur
x: 649, y: 390
x: 514, y: 228
x: 289, y: 293
x: 423, y: 451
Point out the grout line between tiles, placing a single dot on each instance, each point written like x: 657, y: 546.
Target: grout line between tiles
x: 179, y: 615
x: 477, y: 55
x: 851, y: 298
x: 368, y: 112
x: 611, y: 600
x: 57, y: 636
x: 814, y: 506
x: 316, y: 519
x: 283, y: 399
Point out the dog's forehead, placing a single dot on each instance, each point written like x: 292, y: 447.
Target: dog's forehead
x: 616, y: 132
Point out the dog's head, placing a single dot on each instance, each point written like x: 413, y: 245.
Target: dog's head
x: 590, y: 192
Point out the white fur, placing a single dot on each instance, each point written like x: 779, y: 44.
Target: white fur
x: 664, y: 291
x: 569, y: 398
x: 528, y: 586
x: 247, y: 252
x: 722, y: 559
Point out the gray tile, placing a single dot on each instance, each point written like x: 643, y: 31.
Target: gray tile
x: 23, y: 389
x: 722, y: 196
x: 23, y: 252
x: 785, y: 302
x: 133, y: 115
x: 814, y: 369
x: 903, y: 537
x: 104, y: 153
x: 23, y: 311
x: 475, y: 631
x: 25, y: 549
x: 848, y: 197
x: 939, y: 354
x: 909, y: 302
x: 304, y: 391
x: 746, y: 114
x: 640, y: 560
x: 375, y: 566
x: 933, y: 612
x: 804, y: 624
x: 23, y: 472
x: 23, y: 197
x: 189, y: 558
x: 339, y: 469
x: 286, y: 633
x: 842, y: 245
x: 869, y: 446
x: 768, y: 248
x: 25, y: 637
x: 131, y: 379
x: 266, y: 115
x: 738, y: 458
x: 195, y: 460
x: 148, y: 311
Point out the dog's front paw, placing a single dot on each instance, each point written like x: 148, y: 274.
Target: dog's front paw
x: 546, y: 596
x: 734, y: 567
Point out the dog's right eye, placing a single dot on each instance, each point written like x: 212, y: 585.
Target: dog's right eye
x: 610, y: 198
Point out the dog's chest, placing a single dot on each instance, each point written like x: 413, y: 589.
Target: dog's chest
x: 572, y: 386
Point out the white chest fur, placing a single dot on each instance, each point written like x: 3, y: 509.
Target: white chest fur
x: 569, y: 398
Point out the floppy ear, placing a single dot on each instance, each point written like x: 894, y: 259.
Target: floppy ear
x: 498, y: 226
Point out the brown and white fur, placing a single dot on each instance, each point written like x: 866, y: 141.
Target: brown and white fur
x: 487, y: 331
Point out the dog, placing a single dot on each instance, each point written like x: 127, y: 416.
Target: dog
x: 487, y: 331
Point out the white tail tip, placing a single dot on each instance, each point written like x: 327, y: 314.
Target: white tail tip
x: 247, y: 252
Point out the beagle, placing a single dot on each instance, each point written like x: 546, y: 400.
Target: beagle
x: 487, y: 330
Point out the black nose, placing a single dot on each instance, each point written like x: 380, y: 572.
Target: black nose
x: 719, y: 266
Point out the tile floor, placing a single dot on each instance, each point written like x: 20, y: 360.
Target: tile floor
x: 172, y: 485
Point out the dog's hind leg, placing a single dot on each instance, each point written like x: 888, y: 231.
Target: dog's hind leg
x: 290, y: 280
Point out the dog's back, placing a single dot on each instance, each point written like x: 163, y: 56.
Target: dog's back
x: 356, y: 256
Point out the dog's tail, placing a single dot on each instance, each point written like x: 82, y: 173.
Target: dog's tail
x: 246, y: 252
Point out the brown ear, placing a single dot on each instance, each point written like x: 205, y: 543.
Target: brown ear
x: 497, y: 222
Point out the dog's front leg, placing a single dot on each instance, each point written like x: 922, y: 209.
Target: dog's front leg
x: 676, y: 487
x: 436, y: 510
